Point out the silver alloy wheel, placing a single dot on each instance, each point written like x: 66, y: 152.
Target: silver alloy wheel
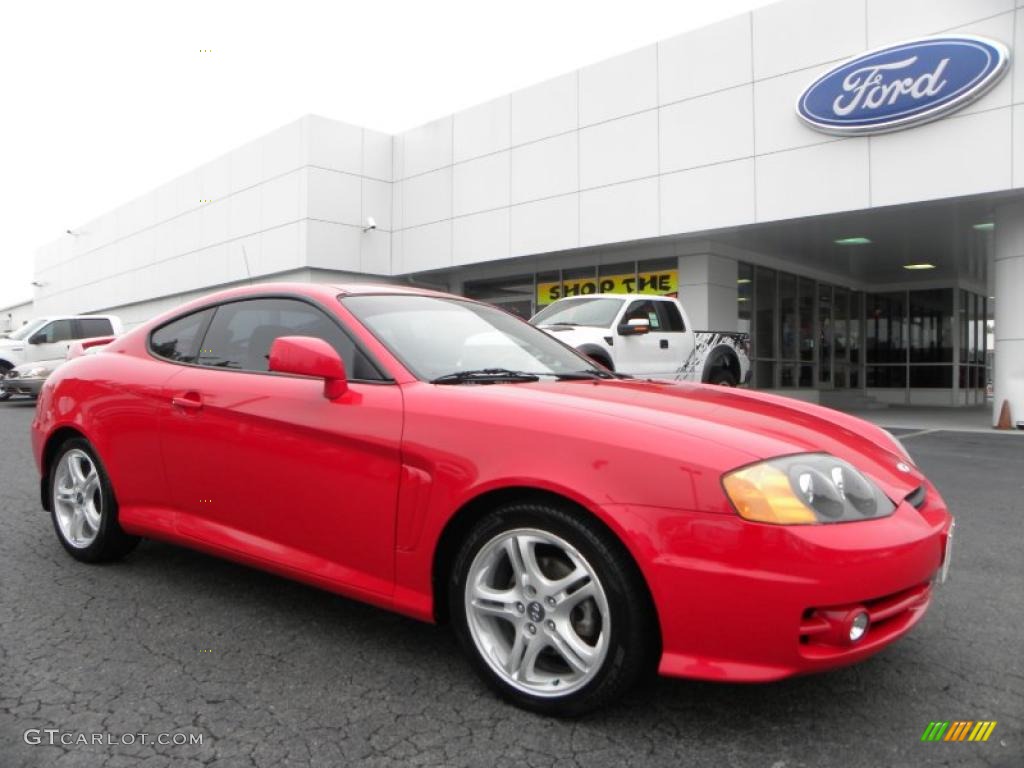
x: 537, y: 612
x: 77, y: 498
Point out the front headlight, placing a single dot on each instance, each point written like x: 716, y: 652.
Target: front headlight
x: 803, y: 489
x: 36, y: 373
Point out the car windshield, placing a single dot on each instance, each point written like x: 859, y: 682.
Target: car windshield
x: 28, y: 329
x: 437, y: 336
x: 598, y: 312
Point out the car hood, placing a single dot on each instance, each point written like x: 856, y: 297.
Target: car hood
x: 754, y: 425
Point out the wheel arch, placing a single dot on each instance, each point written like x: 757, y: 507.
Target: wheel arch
x: 462, y: 521
x: 722, y: 356
x: 5, y: 364
x: 599, y: 353
x: 53, y: 443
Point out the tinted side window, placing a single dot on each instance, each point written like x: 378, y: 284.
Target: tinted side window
x: 179, y: 339
x: 671, y: 318
x: 644, y: 310
x: 242, y: 332
x: 89, y: 327
x: 58, y: 330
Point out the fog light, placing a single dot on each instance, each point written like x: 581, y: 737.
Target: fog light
x: 858, y: 627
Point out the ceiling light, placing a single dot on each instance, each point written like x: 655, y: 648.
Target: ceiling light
x: 743, y: 281
x: 919, y: 266
x: 742, y: 298
x: 853, y: 241
x: 985, y: 226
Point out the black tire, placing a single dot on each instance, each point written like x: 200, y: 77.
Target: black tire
x: 111, y: 542
x: 598, y: 355
x: 634, y: 632
x: 722, y: 377
x: 4, y: 395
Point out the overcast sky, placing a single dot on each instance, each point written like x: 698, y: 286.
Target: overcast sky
x: 103, y: 101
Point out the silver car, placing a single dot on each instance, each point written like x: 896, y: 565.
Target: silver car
x: 28, y: 378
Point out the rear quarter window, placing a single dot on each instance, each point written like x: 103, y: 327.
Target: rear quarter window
x: 179, y: 339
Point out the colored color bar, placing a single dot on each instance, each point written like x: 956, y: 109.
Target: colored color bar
x: 988, y: 731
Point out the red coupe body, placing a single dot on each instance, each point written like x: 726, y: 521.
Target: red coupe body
x: 365, y: 494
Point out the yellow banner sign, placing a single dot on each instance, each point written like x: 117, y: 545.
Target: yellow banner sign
x: 666, y: 281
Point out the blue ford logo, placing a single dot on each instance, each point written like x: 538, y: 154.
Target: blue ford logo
x: 902, y: 85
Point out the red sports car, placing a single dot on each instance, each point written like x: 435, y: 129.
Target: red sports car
x: 441, y: 458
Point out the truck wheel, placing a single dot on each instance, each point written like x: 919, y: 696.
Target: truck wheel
x: 722, y: 377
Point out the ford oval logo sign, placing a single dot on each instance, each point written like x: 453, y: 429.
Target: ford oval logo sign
x: 903, y: 84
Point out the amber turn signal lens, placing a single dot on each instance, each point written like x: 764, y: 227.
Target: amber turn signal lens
x: 763, y: 493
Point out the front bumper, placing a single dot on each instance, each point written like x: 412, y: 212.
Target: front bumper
x: 19, y: 386
x: 746, y: 602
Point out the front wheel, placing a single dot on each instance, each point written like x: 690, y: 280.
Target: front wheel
x: 83, y: 506
x: 550, y: 609
x: 4, y: 394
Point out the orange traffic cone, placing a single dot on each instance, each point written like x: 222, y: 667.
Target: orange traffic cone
x: 1004, y: 417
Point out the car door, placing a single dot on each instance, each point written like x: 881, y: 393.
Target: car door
x: 262, y: 464
x: 676, y: 340
x: 644, y: 354
x: 50, y: 342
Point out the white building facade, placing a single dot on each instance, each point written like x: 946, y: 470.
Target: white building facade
x: 682, y: 167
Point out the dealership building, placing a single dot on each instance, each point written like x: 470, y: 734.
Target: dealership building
x: 877, y: 257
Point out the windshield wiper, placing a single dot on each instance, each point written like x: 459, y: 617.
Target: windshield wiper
x: 485, y: 375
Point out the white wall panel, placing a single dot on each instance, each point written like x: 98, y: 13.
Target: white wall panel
x: 720, y: 195
x: 331, y: 246
x: 796, y: 34
x: 334, y: 196
x: 619, y: 150
x: 375, y: 253
x: 280, y: 199
x: 426, y: 247
x: 545, y: 168
x: 335, y: 145
x: 480, y: 237
x: 481, y: 184
x: 545, y: 225
x: 619, y: 86
x: 245, y: 166
x: 776, y: 126
x: 891, y: 21
x: 482, y: 129
x: 812, y: 180
x: 619, y: 213
x: 1018, y: 145
x: 376, y: 203
x: 705, y: 60
x: 957, y: 156
x: 708, y: 129
x: 426, y: 148
x: 427, y: 198
x: 545, y: 110
x: 284, y: 150
x: 378, y: 150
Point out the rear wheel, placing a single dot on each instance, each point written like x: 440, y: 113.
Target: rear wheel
x: 83, y: 507
x: 723, y: 377
x: 551, y: 611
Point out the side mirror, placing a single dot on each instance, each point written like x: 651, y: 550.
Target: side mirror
x: 309, y: 356
x: 635, y: 327
x: 37, y: 338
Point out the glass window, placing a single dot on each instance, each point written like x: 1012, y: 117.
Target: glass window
x: 549, y: 288
x: 787, y: 317
x: 614, y: 278
x: 90, y: 327
x: 670, y: 317
x: 764, y: 297
x: 744, y: 297
x: 931, y: 376
x: 825, y: 333
x: 764, y: 374
x: 242, y: 332
x: 436, y: 336
x: 578, y: 282
x: 931, y: 326
x: 854, y: 329
x: 644, y: 310
x: 806, y: 323
x: 886, y: 319
x: 513, y: 294
x: 58, y: 330
x: 27, y: 330
x: 179, y: 339
x: 889, y: 376
x: 596, y: 312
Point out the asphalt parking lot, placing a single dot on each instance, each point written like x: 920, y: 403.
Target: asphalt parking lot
x: 272, y: 673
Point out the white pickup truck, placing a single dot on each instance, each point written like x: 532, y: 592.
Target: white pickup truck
x: 648, y: 336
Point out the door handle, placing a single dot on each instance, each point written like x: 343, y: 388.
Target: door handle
x: 664, y: 344
x: 189, y: 401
